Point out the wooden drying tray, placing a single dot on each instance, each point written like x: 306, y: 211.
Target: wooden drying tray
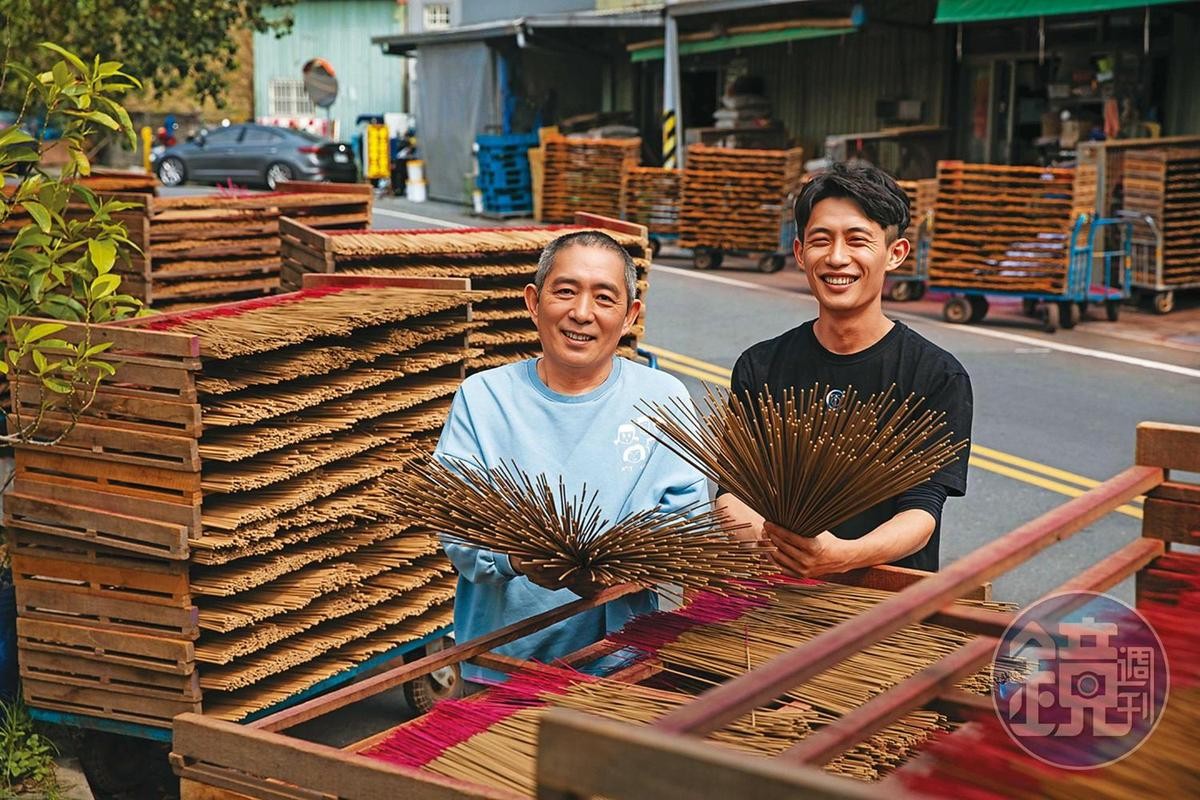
x: 576, y: 751
x: 218, y: 760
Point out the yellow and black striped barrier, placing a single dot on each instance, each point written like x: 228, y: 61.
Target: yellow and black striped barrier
x: 670, y: 147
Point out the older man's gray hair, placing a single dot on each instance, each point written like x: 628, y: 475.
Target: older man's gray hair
x: 587, y: 239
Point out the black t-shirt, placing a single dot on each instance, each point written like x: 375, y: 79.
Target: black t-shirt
x: 796, y: 360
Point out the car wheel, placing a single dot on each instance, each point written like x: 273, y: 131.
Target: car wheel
x: 171, y: 171
x: 278, y: 173
x: 957, y: 310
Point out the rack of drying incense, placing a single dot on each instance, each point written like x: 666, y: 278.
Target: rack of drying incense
x: 585, y: 174
x: 650, y: 197
x: 922, y: 195
x: 1004, y: 229
x: 1164, y: 185
x: 217, y: 532
x: 736, y: 200
x: 500, y: 262
x: 669, y: 757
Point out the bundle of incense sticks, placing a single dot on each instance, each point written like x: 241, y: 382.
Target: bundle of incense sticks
x: 982, y: 761
x: 800, y: 463
x: 504, y: 510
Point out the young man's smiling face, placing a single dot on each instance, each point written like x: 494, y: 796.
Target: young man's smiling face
x: 583, y: 309
x: 845, y: 255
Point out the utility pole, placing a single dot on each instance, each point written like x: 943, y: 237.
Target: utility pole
x: 672, y: 119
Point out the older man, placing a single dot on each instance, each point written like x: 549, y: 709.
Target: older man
x: 569, y: 413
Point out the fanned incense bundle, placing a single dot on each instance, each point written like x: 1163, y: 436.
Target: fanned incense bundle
x: 800, y: 463
x: 504, y: 510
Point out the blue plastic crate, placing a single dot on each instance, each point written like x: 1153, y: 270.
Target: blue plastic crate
x: 504, y: 179
x: 509, y: 140
x: 503, y: 204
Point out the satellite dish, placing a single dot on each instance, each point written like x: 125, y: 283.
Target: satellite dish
x: 320, y: 82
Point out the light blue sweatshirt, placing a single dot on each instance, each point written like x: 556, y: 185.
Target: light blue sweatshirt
x: 507, y: 414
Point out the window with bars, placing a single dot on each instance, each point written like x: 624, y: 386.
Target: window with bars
x: 287, y: 98
x: 437, y: 16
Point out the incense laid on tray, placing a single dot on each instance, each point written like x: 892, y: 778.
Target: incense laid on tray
x: 800, y: 463
x: 504, y: 510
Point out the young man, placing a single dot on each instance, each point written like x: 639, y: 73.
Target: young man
x: 569, y: 413
x: 849, y: 226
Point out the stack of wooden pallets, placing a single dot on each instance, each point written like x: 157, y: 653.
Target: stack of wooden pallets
x: 1002, y: 228
x: 650, y: 197
x: 500, y: 262
x: 219, y: 532
x: 111, y: 180
x: 922, y: 195
x: 1165, y: 184
x: 736, y: 199
x: 585, y: 175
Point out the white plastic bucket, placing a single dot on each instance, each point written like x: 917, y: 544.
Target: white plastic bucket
x: 416, y: 170
x: 416, y: 191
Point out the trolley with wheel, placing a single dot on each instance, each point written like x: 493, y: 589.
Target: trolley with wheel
x: 1094, y: 277
x: 1146, y: 265
x: 704, y: 257
x: 911, y: 286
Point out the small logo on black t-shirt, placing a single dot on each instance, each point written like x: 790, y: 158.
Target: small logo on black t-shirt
x: 834, y: 398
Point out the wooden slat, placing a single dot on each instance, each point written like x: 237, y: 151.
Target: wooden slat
x: 67, y: 603
x: 314, y: 280
x: 108, y: 675
x: 730, y: 700
x: 1171, y: 521
x: 175, y: 656
x: 144, y: 582
x: 163, y: 343
x: 1160, y: 444
x: 83, y: 523
x: 105, y: 704
x: 175, y: 511
x: 200, y: 741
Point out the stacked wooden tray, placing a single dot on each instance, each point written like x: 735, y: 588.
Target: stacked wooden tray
x: 500, y: 262
x: 1165, y: 184
x: 220, y: 531
x: 585, y: 174
x: 736, y: 199
x: 922, y: 195
x: 650, y: 197
x: 1002, y: 228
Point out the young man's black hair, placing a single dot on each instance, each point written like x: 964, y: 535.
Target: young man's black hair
x: 873, y: 190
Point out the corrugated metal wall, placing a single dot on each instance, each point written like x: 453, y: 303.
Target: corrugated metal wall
x: 829, y: 86
x: 339, y: 31
x: 1183, y: 77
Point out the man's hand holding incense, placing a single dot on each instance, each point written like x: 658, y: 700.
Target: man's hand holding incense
x: 579, y: 581
x: 810, y: 556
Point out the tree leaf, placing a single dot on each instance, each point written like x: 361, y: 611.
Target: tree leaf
x: 104, y: 285
x: 58, y: 386
x: 103, y: 255
x: 67, y: 54
x: 98, y: 117
x: 42, y: 330
x: 39, y: 362
x: 39, y: 213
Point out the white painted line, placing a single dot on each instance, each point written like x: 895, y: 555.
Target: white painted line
x: 1027, y: 341
x: 440, y: 223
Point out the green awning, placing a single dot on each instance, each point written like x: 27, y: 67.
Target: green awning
x: 983, y: 10
x: 741, y: 40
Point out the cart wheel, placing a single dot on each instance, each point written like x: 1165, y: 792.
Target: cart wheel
x: 918, y: 290
x: 424, y: 692
x: 655, y: 247
x: 957, y: 310
x: 1112, y: 310
x: 124, y: 765
x: 770, y: 263
x: 706, y: 258
x: 979, y: 307
x: 1029, y: 307
x: 1050, y: 317
x: 901, y: 292
x: 1164, y: 302
x: 1068, y: 315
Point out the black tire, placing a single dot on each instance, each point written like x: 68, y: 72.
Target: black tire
x: 770, y: 263
x: 901, y: 291
x: 979, y: 307
x: 1164, y: 302
x: 957, y: 310
x: 1068, y: 315
x: 1050, y: 314
x: 1029, y: 307
x: 655, y: 247
x: 425, y: 692
x: 706, y: 258
x: 171, y: 171
x: 1112, y: 310
x: 124, y: 765
x: 918, y: 290
x: 277, y: 172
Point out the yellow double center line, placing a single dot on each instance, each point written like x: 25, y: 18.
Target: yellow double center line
x: 1001, y: 463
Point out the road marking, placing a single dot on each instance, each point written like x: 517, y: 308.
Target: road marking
x: 1028, y: 341
x: 1036, y: 480
x: 982, y: 457
x: 440, y: 223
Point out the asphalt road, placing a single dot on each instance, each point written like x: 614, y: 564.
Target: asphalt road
x: 1054, y: 413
